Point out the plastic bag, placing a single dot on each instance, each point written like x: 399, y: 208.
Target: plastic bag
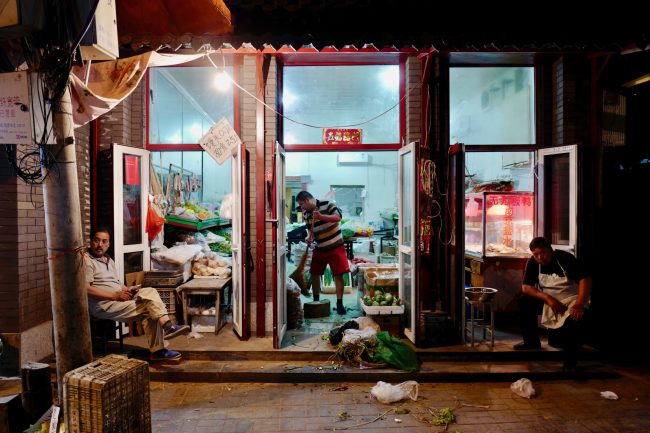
x: 355, y: 336
x: 336, y: 334
x: 387, y: 393
x: 609, y: 395
x: 155, y: 222
x: 523, y: 388
x: 395, y: 352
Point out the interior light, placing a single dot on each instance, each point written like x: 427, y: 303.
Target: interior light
x: 222, y: 81
x: 389, y: 77
x: 176, y: 138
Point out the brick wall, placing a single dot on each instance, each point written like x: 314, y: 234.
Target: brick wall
x: 9, y: 260
x: 413, y: 100
x: 570, y: 101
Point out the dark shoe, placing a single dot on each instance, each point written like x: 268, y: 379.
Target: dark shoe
x: 527, y: 346
x: 164, y: 355
x: 340, y: 309
x: 176, y: 330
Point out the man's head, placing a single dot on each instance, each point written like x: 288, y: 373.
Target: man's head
x: 306, y: 201
x: 542, y: 250
x: 100, y: 240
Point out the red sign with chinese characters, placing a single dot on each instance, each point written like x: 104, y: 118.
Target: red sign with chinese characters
x: 341, y: 136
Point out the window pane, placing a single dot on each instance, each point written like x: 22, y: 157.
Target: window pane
x: 492, y: 105
x: 329, y: 177
x: 407, y: 197
x: 132, y: 196
x: 184, y: 102
x: 499, y: 171
x: 557, y: 199
x: 215, y: 180
x: 341, y: 97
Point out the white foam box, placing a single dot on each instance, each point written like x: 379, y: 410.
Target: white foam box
x: 381, y: 311
x: 203, y: 323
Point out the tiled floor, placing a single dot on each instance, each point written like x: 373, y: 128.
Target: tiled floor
x: 558, y: 406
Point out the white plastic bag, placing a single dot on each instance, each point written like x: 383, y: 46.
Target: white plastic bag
x: 523, y: 388
x: 354, y: 336
x: 387, y: 393
x: 609, y: 395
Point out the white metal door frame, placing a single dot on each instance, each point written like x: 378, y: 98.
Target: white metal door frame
x: 407, y: 248
x: 118, y: 207
x: 542, y: 154
x: 238, y: 255
x: 280, y: 240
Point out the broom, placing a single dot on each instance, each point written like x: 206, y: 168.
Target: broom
x: 299, y: 274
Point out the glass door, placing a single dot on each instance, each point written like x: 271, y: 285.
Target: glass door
x: 558, y: 196
x: 407, y: 160
x: 131, y: 189
x: 239, y: 248
x: 280, y: 242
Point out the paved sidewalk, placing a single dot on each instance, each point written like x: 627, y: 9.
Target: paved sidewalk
x: 559, y: 406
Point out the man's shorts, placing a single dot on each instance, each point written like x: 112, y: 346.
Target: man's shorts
x: 336, y: 258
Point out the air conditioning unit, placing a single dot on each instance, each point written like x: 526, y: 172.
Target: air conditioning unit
x: 101, y: 42
x: 21, y: 109
x: 352, y: 158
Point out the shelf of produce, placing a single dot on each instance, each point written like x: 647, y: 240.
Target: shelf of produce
x: 197, y: 225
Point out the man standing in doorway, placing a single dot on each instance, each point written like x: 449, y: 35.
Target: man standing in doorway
x: 324, y: 218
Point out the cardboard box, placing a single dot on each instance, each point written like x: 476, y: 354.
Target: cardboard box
x: 134, y: 278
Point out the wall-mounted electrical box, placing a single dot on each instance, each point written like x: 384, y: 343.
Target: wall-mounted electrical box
x: 101, y: 42
x: 23, y: 109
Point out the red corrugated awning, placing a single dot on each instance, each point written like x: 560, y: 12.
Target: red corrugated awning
x: 154, y: 21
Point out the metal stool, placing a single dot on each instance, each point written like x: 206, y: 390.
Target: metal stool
x: 481, y: 312
x: 103, y: 330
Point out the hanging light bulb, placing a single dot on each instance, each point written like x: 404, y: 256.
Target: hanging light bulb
x: 222, y: 81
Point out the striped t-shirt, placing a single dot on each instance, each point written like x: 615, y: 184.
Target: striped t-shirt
x: 327, y: 235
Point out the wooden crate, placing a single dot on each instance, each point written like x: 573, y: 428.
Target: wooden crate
x: 110, y: 395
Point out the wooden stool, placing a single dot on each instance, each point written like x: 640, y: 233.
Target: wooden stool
x: 103, y: 330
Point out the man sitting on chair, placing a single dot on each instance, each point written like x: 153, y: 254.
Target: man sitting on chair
x: 109, y: 299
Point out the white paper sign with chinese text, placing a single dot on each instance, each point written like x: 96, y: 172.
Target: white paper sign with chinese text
x: 15, y: 118
x: 220, y: 140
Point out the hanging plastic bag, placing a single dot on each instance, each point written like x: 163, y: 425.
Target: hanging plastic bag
x: 387, y: 393
x: 395, y: 352
x: 155, y: 222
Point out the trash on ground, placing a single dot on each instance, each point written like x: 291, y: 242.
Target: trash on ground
x: 523, y: 388
x: 387, y: 393
x: 609, y: 395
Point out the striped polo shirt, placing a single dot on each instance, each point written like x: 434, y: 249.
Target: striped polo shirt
x: 327, y: 235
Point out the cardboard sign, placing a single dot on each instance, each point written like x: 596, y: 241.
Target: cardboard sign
x: 220, y: 140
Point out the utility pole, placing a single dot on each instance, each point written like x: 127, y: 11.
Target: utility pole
x: 65, y: 246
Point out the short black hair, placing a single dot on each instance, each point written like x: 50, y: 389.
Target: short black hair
x: 539, y: 242
x: 303, y: 195
x: 101, y: 229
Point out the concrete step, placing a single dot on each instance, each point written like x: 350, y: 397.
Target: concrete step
x: 310, y: 371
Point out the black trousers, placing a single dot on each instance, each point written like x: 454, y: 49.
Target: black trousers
x: 569, y: 337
